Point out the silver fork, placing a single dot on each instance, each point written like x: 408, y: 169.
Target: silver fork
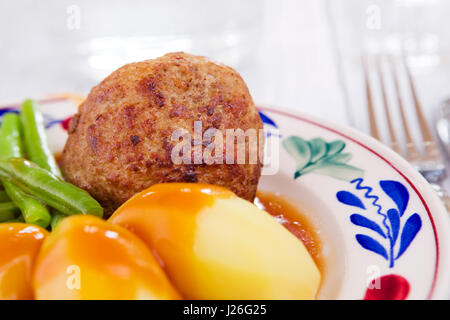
x: 429, y: 162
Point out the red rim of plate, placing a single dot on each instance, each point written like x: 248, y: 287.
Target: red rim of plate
x: 297, y: 117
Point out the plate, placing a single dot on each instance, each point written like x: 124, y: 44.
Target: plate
x: 385, y: 233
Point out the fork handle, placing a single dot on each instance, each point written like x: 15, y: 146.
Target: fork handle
x: 443, y: 195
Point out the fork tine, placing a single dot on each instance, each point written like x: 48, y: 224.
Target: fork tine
x: 411, y: 148
x: 424, y: 128
x: 430, y: 164
x: 394, y: 141
x: 430, y: 147
x: 372, y: 119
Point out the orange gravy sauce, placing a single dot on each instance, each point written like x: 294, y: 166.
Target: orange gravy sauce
x: 293, y: 220
x: 58, y: 158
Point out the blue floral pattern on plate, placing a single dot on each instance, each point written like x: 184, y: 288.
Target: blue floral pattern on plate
x: 390, y: 230
x: 327, y: 158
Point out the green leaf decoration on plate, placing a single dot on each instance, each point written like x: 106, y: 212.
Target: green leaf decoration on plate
x: 318, y: 149
x: 299, y: 149
x: 326, y: 158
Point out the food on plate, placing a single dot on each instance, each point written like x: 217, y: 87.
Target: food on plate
x: 33, y: 211
x: 295, y: 220
x: 19, y: 247
x: 120, y: 141
x: 178, y: 230
x: 43, y: 185
x: 87, y: 258
x: 35, y: 139
x: 11, y: 145
x: 3, y: 196
x: 8, y: 211
x: 34, y: 191
x: 11, y: 136
x: 215, y: 245
x: 37, y: 147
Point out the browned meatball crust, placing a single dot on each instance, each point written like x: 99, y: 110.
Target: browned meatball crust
x: 120, y: 140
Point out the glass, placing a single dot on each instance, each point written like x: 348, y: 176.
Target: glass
x: 416, y: 29
x: 57, y: 46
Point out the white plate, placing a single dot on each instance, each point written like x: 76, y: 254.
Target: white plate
x: 385, y: 233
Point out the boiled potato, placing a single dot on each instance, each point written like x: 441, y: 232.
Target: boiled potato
x: 214, y: 245
x: 19, y: 247
x: 87, y: 258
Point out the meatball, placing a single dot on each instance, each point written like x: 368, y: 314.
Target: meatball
x: 121, y: 140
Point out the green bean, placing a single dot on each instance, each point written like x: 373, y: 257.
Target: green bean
x: 37, y: 146
x: 36, y: 142
x: 10, y: 142
x: 8, y: 211
x: 50, y: 189
x: 33, y: 210
x: 10, y: 133
x: 56, y: 219
x: 3, y: 196
x: 19, y: 219
x: 35, y: 138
